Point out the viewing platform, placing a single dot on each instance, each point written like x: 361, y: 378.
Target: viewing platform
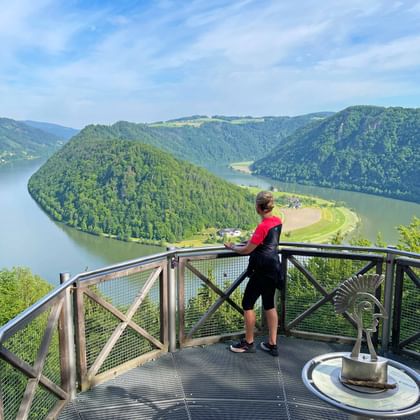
x: 148, y: 338
x: 210, y: 382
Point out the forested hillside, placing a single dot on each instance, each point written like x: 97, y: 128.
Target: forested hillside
x: 362, y: 148
x: 129, y: 189
x: 19, y: 141
x: 60, y: 131
x: 204, y: 140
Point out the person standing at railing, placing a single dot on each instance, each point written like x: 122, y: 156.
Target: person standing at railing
x: 264, y: 275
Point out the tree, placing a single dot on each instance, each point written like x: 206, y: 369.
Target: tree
x: 19, y: 289
x: 410, y: 236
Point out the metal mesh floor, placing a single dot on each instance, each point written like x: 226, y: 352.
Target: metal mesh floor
x: 213, y: 383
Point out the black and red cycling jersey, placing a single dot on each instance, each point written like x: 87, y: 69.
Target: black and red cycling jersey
x: 264, y: 258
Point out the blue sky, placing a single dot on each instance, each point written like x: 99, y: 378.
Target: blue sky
x: 80, y: 62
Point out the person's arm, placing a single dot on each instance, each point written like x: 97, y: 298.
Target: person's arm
x: 243, y: 249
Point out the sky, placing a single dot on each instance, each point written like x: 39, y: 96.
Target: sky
x: 80, y: 62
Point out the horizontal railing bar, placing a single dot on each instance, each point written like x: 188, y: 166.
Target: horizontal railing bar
x: 395, y: 251
x: 352, y: 248
x: 374, y: 255
x: 122, y: 272
x: 29, y: 314
x: 123, y: 265
x: 322, y: 337
x: 410, y: 353
x: 32, y: 311
x: 408, y: 262
x: 212, y: 339
x: 341, y: 255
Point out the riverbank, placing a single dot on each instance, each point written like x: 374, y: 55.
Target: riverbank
x: 30, y: 238
x: 315, y: 220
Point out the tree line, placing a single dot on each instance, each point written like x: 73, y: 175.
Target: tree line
x: 362, y: 148
x: 132, y: 190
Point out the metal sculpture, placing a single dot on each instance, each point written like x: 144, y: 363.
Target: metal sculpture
x: 364, y: 385
x: 357, y: 296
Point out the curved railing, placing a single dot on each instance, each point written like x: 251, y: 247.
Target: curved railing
x: 101, y: 323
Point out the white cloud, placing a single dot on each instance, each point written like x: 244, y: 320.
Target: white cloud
x: 399, y: 54
x: 175, y: 58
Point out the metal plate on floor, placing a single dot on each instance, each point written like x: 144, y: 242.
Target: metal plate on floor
x: 326, y: 374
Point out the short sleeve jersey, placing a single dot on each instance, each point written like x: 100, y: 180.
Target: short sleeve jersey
x: 265, y: 256
x: 264, y: 228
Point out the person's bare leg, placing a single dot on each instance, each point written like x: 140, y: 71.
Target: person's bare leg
x: 272, y: 323
x: 250, y: 318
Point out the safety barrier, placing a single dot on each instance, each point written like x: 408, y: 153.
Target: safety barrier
x: 101, y: 323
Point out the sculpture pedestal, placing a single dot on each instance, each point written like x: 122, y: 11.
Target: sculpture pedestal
x: 363, y: 369
x: 321, y: 376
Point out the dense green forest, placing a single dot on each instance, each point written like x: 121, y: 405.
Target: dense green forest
x: 129, y: 189
x: 204, y: 140
x: 20, y: 141
x: 362, y: 148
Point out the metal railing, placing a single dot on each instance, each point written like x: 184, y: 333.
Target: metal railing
x: 101, y: 323
x: 406, y: 318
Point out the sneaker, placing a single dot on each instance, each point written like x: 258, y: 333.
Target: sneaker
x: 270, y: 348
x: 242, y: 347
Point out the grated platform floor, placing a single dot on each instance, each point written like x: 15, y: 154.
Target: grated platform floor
x: 211, y: 382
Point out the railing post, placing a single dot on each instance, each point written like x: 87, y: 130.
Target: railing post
x: 172, y: 300
x: 396, y: 321
x: 282, y: 320
x: 67, y: 347
x: 388, y: 289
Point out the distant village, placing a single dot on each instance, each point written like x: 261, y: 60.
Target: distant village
x: 234, y: 232
x: 293, y: 203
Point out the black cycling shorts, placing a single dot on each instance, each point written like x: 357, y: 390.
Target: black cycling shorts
x: 259, y: 285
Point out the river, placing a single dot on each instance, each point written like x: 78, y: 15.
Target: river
x: 30, y: 238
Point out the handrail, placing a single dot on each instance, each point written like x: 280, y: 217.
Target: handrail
x: 169, y: 273
x: 28, y: 314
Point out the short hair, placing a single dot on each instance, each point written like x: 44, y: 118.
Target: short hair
x: 265, y: 201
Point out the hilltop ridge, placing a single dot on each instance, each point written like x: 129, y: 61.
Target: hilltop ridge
x: 362, y: 148
x: 206, y: 140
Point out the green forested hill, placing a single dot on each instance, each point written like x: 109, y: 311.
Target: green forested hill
x: 19, y: 141
x: 204, y: 140
x: 362, y: 148
x: 60, y: 131
x: 130, y: 189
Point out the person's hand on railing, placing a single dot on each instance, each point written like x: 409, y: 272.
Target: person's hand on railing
x: 243, y: 248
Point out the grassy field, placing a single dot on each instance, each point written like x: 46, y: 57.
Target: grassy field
x: 333, y: 220
x: 241, y: 166
x: 199, y: 121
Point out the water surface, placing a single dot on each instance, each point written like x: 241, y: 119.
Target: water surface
x: 30, y: 238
